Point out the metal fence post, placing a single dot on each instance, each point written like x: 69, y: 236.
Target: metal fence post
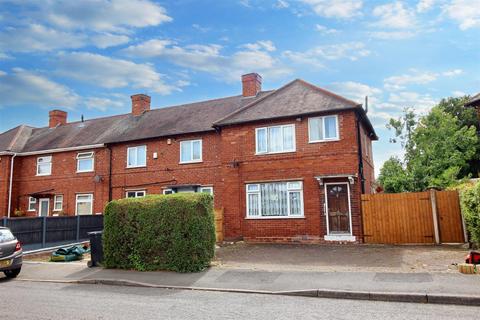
x: 44, y: 232
x: 78, y: 227
x: 4, y: 223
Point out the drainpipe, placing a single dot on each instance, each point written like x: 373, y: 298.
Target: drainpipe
x: 11, y: 185
x: 109, y: 173
x: 360, y: 156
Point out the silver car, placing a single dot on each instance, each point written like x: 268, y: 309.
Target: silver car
x: 11, y: 254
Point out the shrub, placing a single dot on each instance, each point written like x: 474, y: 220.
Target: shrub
x: 470, y: 203
x: 162, y: 232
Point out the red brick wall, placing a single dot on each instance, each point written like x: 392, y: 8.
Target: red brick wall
x: 4, y: 183
x: 229, y: 162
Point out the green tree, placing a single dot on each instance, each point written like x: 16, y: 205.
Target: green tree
x: 393, y: 176
x: 403, y: 127
x: 440, y: 150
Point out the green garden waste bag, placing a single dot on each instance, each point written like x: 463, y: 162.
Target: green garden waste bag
x: 69, y: 254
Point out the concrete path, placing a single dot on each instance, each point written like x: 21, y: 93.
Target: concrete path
x: 411, y: 287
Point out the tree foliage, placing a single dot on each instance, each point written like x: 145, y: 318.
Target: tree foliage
x: 440, y: 148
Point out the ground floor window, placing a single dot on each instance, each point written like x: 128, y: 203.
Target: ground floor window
x: 136, y: 194
x: 58, y: 202
x: 275, y: 199
x: 84, y: 204
x: 32, y: 202
x: 208, y: 190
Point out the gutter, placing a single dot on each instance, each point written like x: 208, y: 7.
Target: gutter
x: 10, y: 185
x: 20, y: 154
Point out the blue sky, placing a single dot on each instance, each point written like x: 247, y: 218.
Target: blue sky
x: 88, y: 57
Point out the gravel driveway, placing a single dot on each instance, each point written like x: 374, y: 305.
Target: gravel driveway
x: 374, y: 258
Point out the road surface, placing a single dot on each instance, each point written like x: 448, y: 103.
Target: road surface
x: 35, y: 300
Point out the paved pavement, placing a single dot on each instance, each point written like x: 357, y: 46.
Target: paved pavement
x: 30, y: 300
x: 240, y: 279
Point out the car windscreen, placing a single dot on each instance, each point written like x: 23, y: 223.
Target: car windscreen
x: 6, y: 235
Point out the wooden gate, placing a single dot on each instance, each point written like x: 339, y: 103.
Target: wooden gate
x: 416, y: 217
x: 219, y: 224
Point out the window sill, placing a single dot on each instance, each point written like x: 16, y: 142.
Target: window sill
x: 271, y: 153
x: 190, y: 162
x: 274, y: 217
x: 135, y: 167
x: 43, y: 175
x: 86, y: 171
x: 321, y: 141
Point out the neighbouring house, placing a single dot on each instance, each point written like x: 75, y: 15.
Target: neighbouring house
x: 287, y: 164
x: 474, y: 102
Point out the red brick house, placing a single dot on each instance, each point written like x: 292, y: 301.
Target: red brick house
x: 288, y: 164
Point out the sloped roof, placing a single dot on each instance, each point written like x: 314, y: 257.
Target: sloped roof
x: 475, y: 100
x: 296, y: 98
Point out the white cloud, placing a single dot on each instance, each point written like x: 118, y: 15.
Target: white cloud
x: 458, y: 93
x: 209, y: 58
x: 38, y: 38
x: 356, y: 91
x: 393, y: 35
x: 416, y: 77
x: 325, y: 30
x: 103, y: 104
x: 425, y: 5
x: 104, y: 15
x: 281, y: 4
x: 317, y: 55
x: 342, y: 9
x: 109, y: 40
x: 453, y: 73
x: 394, y: 15
x: 111, y: 73
x: 21, y: 87
x: 465, y: 12
x: 420, y: 102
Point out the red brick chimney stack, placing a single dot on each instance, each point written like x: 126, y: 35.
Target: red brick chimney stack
x: 140, y: 104
x: 57, y: 118
x: 251, y: 84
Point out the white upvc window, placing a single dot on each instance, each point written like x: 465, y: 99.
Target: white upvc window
x: 85, y: 161
x: 136, y: 156
x: 191, y: 151
x: 58, y: 202
x: 44, y: 166
x: 275, y: 200
x: 84, y: 204
x: 323, y: 129
x: 168, y: 191
x: 275, y: 139
x: 32, y: 202
x: 208, y: 190
x: 135, y: 194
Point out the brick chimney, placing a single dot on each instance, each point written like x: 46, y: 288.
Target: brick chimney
x: 57, y: 118
x: 140, y: 104
x: 251, y: 84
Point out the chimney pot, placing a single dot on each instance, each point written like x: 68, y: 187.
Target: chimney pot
x: 251, y: 84
x: 140, y: 104
x: 57, y: 118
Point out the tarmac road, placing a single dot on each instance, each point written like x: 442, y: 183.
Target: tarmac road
x: 36, y: 300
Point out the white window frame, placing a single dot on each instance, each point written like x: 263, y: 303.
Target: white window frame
x: 30, y: 203
x: 85, y: 156
x: 49, y: 163
x: 191, y: 149
x: 47, y: 200
x: 201, y: 189
x: 323, y: 127
x: 76, y: 203
x: 136, y: 193
x: 289, y: 190
x: 55, y: 201
x: 257, y: 152
x: 130, y: 149
x: 165, y: 191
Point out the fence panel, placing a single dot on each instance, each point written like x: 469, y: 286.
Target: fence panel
x: 398, y: 218
x: 27, y: 230
x: 61, y: 229
x: 219, y: 224
x: 89, y: 224
x: 450, y: 217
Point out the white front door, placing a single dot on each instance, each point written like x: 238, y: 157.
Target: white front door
x: 44, y: 206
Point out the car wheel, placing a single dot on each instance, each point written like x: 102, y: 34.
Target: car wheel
x: 12, y: 273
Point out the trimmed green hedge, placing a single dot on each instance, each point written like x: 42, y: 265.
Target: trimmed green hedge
x: 162, y: 232
x: 470, y: 203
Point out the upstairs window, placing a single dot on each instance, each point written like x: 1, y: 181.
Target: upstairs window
x: 190, y: 151
x: 44, y: 166
x: 85, y: 162
x: 275, y: 139
x: 137, y: 156
x: 323, y: 128
x: 136, y: 194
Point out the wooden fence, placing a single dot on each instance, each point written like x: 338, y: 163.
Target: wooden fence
x: 219, y: 224
x: 413, y: 218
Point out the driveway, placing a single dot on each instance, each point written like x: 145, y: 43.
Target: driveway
x: 344, y: 258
